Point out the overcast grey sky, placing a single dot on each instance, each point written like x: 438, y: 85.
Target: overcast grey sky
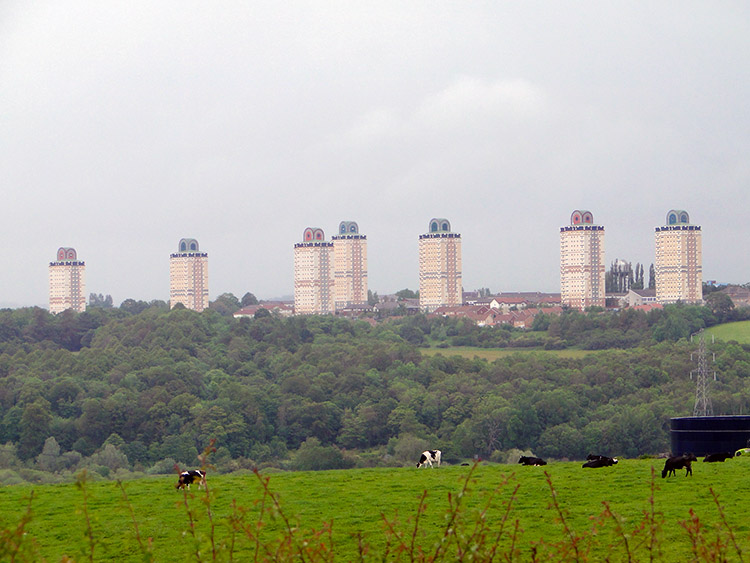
x: 126, y: 126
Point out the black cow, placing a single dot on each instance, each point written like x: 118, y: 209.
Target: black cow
x: 189, y: 477
x: 678, y: 462
x: 710, y: 458
x: 527, y: 460
x: 599, y: 461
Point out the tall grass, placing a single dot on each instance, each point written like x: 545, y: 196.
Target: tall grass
x: 477, y: 513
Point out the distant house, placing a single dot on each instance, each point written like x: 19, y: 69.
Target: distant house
x: 616, y: 300
x: 509, y: 301
x: 276, y: 308
x: 637, y: 297
x: 390, y: 304
x: 525, y: 318
x: 481, y: 315
x: 484, y: 315
x: 739, y: 295
x: 354, y: 309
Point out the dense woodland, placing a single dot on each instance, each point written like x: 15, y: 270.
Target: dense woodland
x: 140, y: 387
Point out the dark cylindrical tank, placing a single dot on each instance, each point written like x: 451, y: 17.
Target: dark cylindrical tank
x: 703, y: 435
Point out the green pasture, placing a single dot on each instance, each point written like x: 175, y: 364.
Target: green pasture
x: 355, y: 501
x: 492, y: 354
x: 739, y: 331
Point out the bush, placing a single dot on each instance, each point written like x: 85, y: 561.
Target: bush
x: 163, y: 467
x: 311, y: 456
x: 10, y: 477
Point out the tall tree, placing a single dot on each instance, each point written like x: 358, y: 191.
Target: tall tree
x: 407, y: 294
x: 226, y: 304
x: 34, y: 430
x: 99, y: 300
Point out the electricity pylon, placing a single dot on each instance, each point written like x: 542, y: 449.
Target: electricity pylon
x: 703, y: 405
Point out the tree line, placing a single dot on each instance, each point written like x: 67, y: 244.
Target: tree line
x: 140, y: 386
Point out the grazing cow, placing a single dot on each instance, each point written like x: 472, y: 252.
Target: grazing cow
x: 710, y: 458
x: 674, y: 463
x: 191, y: 476
x: 599, y: 461
x: 528, y: 460
x: 429, y: 456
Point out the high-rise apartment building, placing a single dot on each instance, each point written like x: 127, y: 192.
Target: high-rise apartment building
x: 440, y: 282
x: 349, y: 266
x: 582, y: 273
x: 188, y: 276
x: 678, y: 266
x: 313, y: 274
x: 67, y: 282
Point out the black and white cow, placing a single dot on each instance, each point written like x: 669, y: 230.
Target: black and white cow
x: 678, y: 462
x: 723, y: 456
x: 429, y: 456
x: 528, y: 460
x: 599, y: 461
x: 189, y: 477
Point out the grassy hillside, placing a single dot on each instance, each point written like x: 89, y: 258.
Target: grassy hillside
x: 355, y: 501
x: 739, y: 331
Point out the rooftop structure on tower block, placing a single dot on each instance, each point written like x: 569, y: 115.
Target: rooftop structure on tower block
x: 678, y: 266
x: 349, y: 266
x: 188, y: 276
x: 440, y: 282
x: 67, y: 282
x: 582, y: 273
x: 313, y: 274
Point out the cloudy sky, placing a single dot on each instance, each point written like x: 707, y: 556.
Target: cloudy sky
x: 126, y: 126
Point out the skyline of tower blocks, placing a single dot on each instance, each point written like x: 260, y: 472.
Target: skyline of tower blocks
x: 188, y: 276
x: 349, y: 266
x: 67, y: 282
x: 440, y: 275
x: 582, y: 271
x: 313, y: 274
x: 678, y: 266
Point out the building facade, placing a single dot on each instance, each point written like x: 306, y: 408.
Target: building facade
x: 440, y: 278
x: 582, y: 272
x: 188, y: 276
x: 678, y: 265
x: 67, y: 282
x: 313, y: 274
x: 349, y: 266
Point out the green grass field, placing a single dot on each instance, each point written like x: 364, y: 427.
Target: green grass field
x: 492, y: 354
x: 739, y: 331
x: 354, y: 500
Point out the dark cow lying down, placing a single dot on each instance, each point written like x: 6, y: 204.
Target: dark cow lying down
x: 678, y: 462
x: 718, y: 457
x: 187, y: 478
x: 429, y: 456
x: 527, y: 460
x: 599, y: 461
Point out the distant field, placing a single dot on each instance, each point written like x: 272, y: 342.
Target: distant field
x: 354, y: 500
x: 739, y: 331
x: 491, y: 354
